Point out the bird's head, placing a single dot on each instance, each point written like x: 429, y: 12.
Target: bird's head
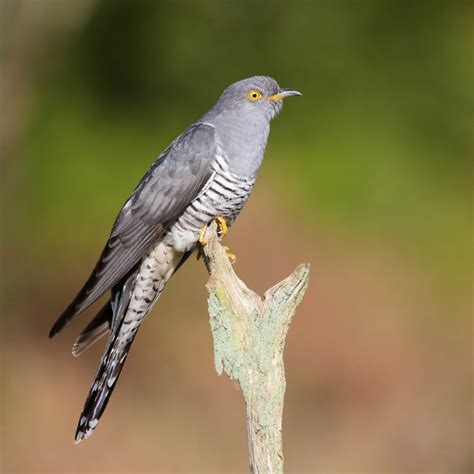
x: 255, y: 96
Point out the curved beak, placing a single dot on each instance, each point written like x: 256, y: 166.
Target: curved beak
x: 282, y: 93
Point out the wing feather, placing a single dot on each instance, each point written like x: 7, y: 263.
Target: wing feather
x: 168, y: 187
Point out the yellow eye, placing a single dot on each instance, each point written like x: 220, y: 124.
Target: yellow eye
x: 254, y: 95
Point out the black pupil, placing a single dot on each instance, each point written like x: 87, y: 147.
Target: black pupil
x: 254, y: 95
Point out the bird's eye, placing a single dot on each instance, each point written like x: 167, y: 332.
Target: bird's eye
x: 254, y: 95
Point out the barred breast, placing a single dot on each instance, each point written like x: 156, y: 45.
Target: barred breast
x: 224, y: 195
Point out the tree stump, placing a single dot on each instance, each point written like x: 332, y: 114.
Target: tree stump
x: 249, y: 336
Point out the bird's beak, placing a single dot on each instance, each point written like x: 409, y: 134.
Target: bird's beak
x: 282, y: 93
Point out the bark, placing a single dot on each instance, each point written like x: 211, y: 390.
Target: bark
x: 249, y: 336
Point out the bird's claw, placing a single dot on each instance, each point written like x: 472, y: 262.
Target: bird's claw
x: 223, y: 228
x: 202, y: 239
x: 232, y: 256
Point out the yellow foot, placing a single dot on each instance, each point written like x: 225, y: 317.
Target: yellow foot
x: 222, y: 229
x: 202, y: 233
x: 232, y: 256
x: 222, y: 224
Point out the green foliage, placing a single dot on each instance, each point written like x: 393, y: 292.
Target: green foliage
x: 378, y: 146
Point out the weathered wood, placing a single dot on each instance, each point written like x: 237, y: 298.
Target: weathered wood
x: 249, y: 337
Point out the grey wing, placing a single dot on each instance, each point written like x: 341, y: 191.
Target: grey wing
x: 172, y: 182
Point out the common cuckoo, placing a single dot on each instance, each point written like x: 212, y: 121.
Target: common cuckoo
x: 207, y: 173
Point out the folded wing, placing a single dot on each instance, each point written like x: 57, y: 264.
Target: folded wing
x: 170, y: 185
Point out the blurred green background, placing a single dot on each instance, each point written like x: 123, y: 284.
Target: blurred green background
x: 368, y: 177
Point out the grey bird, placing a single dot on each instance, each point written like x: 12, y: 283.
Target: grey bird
x: 207, y: 173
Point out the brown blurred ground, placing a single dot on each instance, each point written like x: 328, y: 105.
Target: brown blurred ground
x: 373, y: 384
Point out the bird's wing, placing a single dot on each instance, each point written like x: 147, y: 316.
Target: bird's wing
x: 172, y: 182
x: 102, y: 322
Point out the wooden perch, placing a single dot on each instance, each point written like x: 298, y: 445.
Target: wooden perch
x: 249, y: 338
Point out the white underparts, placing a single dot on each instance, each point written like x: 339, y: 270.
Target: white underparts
x: 223, y: 195
x: 155, y: 270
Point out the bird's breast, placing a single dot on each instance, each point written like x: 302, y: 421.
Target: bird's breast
x: 223, y: 195
x: 243, y: 143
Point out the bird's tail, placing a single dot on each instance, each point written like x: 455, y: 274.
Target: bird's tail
x: 96, y: 329
x: 103, y: 386
x: 113, y: 359
x: 122, y: 315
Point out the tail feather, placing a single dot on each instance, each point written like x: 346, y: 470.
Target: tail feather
x: 127, y: 315
x: 96, y: 329
x: 101, y: 390
x: 113, y: 359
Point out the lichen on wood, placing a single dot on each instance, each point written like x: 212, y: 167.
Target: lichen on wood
x: 249, y: 336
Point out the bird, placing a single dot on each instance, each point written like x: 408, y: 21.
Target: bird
x: 206, y: 174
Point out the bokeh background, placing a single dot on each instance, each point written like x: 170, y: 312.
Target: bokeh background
x: 367, y: 177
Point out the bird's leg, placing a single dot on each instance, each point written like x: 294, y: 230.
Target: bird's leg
x: 202, y: 233
x: 232, y: 256
x: 223, y: 228
x: 202, y: 240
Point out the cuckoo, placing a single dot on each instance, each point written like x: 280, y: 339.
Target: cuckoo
x: 207, y: 173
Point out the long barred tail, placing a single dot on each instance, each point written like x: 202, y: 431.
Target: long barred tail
x: 131, y: 301
x: 112, y: 361
x: 102, y: 388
